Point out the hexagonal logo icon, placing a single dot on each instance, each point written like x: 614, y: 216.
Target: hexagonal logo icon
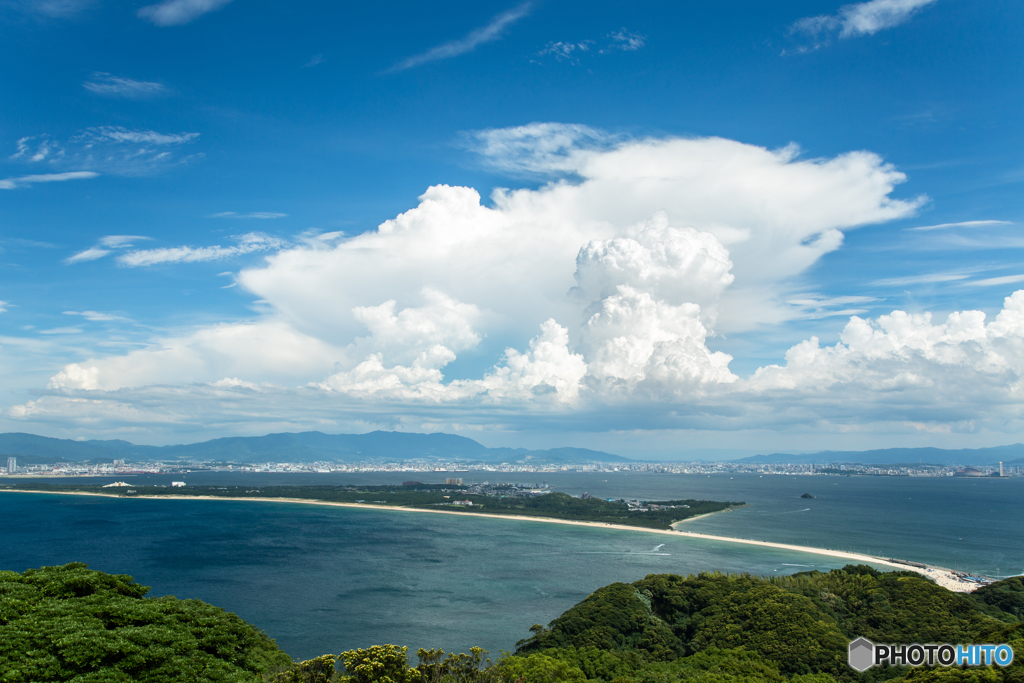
x: 861, y: 654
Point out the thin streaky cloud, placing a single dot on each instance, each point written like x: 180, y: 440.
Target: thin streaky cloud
x: 90, y: 254
x: 104, y: 247
x: 261, y: 215
x: 248, y: 244
x: 178, y: 12
x: 58, y: 9
x: 109, y: 85
x: 962, y: 224
x: 111, y: 150
x: 823, y: 301
x: 314, y: 60
x: 121, y: 240
x: 95, y: 316
x: 485, y: 34
x: 1004, y: 280
x: 119, y: 135
x: 26, y: 180
x: 62, y: 330
x: 3, y: 306
x: 927, y: 278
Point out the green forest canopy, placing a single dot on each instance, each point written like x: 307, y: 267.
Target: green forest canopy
x: 70, y: 623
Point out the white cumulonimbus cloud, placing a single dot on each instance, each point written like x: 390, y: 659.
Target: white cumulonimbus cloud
x: 600, y: 290
x: 905, y: 366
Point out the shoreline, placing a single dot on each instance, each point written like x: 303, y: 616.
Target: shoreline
x: 940, y: 575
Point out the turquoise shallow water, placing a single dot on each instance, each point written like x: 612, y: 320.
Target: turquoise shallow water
x: 325, y: 579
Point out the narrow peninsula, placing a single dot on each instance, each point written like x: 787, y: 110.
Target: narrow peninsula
x: 503, y: 500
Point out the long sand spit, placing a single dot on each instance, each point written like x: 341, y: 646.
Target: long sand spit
x: 940, y: 575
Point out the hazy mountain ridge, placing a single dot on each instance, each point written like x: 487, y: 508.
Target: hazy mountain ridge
x: 297, y: 447
x: 1009, y: 455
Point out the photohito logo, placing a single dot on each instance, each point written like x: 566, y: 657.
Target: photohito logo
x: 863, y: 654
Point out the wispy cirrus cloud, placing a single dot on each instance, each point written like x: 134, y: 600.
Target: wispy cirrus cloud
x: 816, y: 306
x: 95, y: 316
x: 485, y: 34
x: 103, y: 247
x: 249, y: 243
x: 119, y: 135
x: 27, y: 180
x: 992, y: 281
x: 108, y: 85
x: 543, y: 148
x: 57, y: 9
x: 260, y: 215
x: 858, y: 19
x: 572, y: 51
x: 62, y: 330
x: 923, y: 279
x: 564, y: 51
x: 111, y: 150
x: 962, y: 224
x: 178, y: 12
x: 627, y: 41
x: 3, y: 306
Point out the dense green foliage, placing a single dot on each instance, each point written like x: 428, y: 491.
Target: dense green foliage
x: 70, y: 623
x: 796, y: 626
x: 433, y: 496
x: 1004, y: 600
x: 73, y: 624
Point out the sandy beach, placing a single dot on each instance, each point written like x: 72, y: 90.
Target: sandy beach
x: 940, y: 575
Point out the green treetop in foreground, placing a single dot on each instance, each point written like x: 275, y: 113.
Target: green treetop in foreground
x: 72, y: 624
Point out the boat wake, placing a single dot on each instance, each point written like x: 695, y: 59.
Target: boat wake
x: 654, y: 551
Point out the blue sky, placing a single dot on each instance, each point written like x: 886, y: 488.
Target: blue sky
x: 655, y: 228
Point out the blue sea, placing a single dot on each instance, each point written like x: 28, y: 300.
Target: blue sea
x: 321, y: 579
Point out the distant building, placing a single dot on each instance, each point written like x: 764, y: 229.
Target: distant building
x: 969, y: 472
x: 12, y: 465
x: 1001, y: 469
x: 453, y: 482
x: 411, y: 483
x: 467, y: 503
x: 177, y: 484
x: 115, y: 484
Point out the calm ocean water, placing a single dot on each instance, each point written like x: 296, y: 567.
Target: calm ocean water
x: 326, y: 579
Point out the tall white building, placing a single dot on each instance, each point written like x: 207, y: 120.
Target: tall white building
x: 12, y: 465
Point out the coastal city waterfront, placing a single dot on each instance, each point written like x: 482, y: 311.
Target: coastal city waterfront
x: 16, y: 468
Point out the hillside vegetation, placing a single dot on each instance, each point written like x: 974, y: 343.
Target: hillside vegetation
x: 73, y: 624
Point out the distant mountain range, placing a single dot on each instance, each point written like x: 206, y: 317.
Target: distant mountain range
x: 1012, y: 455
x: 404, y: 446
x: 299, y: 447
